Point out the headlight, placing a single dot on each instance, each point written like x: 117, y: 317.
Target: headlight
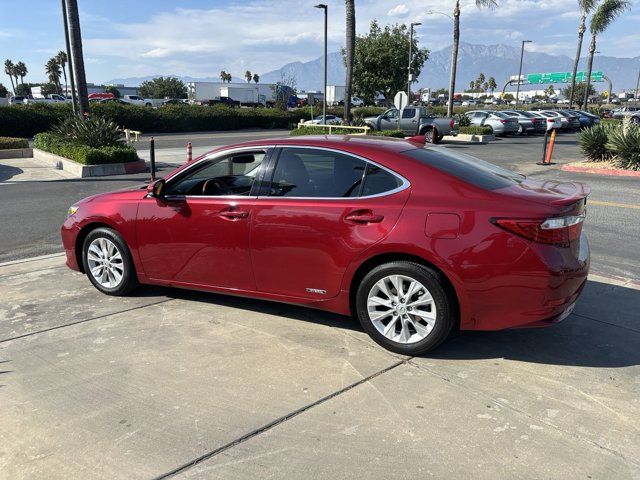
x: 72, y: 210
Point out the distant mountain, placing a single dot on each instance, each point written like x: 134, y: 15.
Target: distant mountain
x: 136, y: 81
x: 498, y: 61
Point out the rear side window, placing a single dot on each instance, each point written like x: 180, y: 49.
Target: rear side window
x: 409, y: 113
x: 467, y: 168
x: 379, y: 181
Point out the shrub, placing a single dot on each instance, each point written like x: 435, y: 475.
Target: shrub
x: 311, y: 130
x: 593, y: 142
x: 93, y: 132
x: 474, y: 130
x: 464, y: 121
x: 11, y: 142
x: 626, y: 147
x: 52, y: 143
x: 27, y: 120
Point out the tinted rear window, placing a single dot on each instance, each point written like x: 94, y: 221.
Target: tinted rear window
x: 467, y: 168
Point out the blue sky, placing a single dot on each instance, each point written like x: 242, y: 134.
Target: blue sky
x: 128, y: 38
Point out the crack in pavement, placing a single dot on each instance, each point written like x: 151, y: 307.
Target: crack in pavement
x: 606, y: 323
x: 276, y: 422
x: 58, y: 327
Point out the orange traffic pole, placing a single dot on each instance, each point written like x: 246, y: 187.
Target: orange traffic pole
x: 547, y: 160
x: 189, y: 152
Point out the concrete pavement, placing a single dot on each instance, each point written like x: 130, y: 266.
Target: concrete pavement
x: 170, y: 383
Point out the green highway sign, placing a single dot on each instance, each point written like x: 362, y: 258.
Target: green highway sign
x: 562, y: 77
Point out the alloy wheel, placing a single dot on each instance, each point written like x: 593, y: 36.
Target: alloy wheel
x: 401, y: 308
x: 105, y: 262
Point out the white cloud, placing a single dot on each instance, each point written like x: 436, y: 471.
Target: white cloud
x: 398, y: 11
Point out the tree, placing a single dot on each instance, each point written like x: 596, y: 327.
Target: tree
x: 256, y: 78
x: 248, y: 76
x: 229, y: 78
x: 578, y: 90
x: 52, y: 69
x: 456, y: 44
x: 21, y: 71
x: 3, y: 91
x: 62, y: 59
x: 24, y: 89
x: 223, y: 76
x: 113, y: 90
x: 349, y: 55
x: 163, y: 87
x: 48, y: 89
x: 9, y: 69
x: 485, y: 87
x: 606, y: 13
x: 550, y: 91
x: 380, y: 62
x: 492, y: 84
x: 585, y: 7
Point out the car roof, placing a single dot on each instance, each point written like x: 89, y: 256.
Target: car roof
x: 356, y: 144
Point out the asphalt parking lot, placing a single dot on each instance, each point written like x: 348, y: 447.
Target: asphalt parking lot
x: 169, y: 383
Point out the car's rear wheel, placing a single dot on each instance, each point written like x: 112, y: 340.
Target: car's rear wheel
x: 520, y: 130
x: 428, y: 135
x: 107, y: 262
x: 404, y: 307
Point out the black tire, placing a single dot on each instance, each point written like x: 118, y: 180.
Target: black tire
x: 129, y: 279
x: 428, y: 132
x: 635, y: 120
x: 432, y: 281
x: 520, y: 130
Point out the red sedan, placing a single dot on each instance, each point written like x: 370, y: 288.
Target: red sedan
x: 415, y: 241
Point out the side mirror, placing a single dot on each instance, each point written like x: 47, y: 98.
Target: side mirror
x: 156, y: 189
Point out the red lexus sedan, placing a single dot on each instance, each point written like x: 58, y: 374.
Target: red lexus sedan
x: 415, y: 241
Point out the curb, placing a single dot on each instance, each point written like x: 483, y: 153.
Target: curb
x: 612, y: 172
x: 82, y: 171
x: 16, y: 153
x: 31, y: 259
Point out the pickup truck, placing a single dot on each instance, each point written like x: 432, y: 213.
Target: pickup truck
x: 230, y: 102
x: 413, y: 121
x: 137, y: 100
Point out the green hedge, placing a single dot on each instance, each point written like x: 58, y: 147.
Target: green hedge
x: 82, y: 154
x: 311, y: 130
x: 27, y: 120
x: 474, y: 130
x: 7, y: 143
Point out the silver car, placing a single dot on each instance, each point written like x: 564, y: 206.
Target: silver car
x: 499, y: 123
x: 527, y: 123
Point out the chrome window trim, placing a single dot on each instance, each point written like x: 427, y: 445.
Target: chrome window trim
x: 405, y: 183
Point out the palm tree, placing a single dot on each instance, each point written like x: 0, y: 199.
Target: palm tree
x: 248, y: 76
x: 585, y: 8
x: 77, y: 57
x: 223, y: 76
x: 52, y: 69
x: 62, y: 60
x: 21, y: 71
x: 256, y: 78
x: 492, y: 84
x: 606, y: 13
x: 349, y: 55
x: 9, y: 69
x: 456, y: 44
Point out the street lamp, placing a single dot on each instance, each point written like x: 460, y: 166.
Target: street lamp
x: 414, y: 24
x: 324, y: 73
x: 520, y: 70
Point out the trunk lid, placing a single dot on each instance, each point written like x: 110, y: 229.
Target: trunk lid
x: 548, y: 192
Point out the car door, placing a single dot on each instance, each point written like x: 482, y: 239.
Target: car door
x: 389, y: 120
x: 320, y: 209
x: 408, y: 120
x: 198, y: 232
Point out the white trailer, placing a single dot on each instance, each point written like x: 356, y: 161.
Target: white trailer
x: 246, y: 95
x: 335, y: 94
x: 205, y: 91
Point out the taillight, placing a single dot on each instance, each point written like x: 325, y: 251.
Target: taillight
x: 503, y: 121
x: 550, y: 120
x: 558, y: 231
x: 452, y: 123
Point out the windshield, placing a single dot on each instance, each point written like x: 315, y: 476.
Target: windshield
x: 499, y: 115
x: 470, y: 169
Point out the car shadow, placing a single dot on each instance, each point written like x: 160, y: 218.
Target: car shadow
x: 7, y: 172
x: 602, y: 332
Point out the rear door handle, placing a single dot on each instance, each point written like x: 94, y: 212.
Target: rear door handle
x: 365, y: 216
x: 234, y: 214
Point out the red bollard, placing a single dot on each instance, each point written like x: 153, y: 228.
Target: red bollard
x: 189, y: 152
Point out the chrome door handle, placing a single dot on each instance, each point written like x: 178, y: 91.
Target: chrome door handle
x: 234, y: 214
x: 364, y: 217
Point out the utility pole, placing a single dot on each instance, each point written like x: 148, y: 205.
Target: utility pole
x: 520, y: 71
x: 76, y: 54
x: 635, y: 97
x: 324, y: 72
x: 65, y: 21
x: 415, y: 24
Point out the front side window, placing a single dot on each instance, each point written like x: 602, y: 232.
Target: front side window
x: 391, y: 114
x: 228, y: 175
x: 306, y: 172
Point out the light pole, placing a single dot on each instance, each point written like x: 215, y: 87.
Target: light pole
x: 414, y: 24
x: 452, y: 76
x: 520, y: 70
x: 635, y: 98
x: 324, y: 70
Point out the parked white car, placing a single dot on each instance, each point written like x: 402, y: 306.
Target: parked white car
x: 469, y: 103
x: 52, y: 98
x: 137, y: 100
x: 331, y: 120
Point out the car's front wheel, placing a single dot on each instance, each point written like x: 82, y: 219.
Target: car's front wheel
x: 107, y: 262
x: 404, y: 307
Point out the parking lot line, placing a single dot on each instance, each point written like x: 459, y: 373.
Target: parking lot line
x: 614, y: 204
